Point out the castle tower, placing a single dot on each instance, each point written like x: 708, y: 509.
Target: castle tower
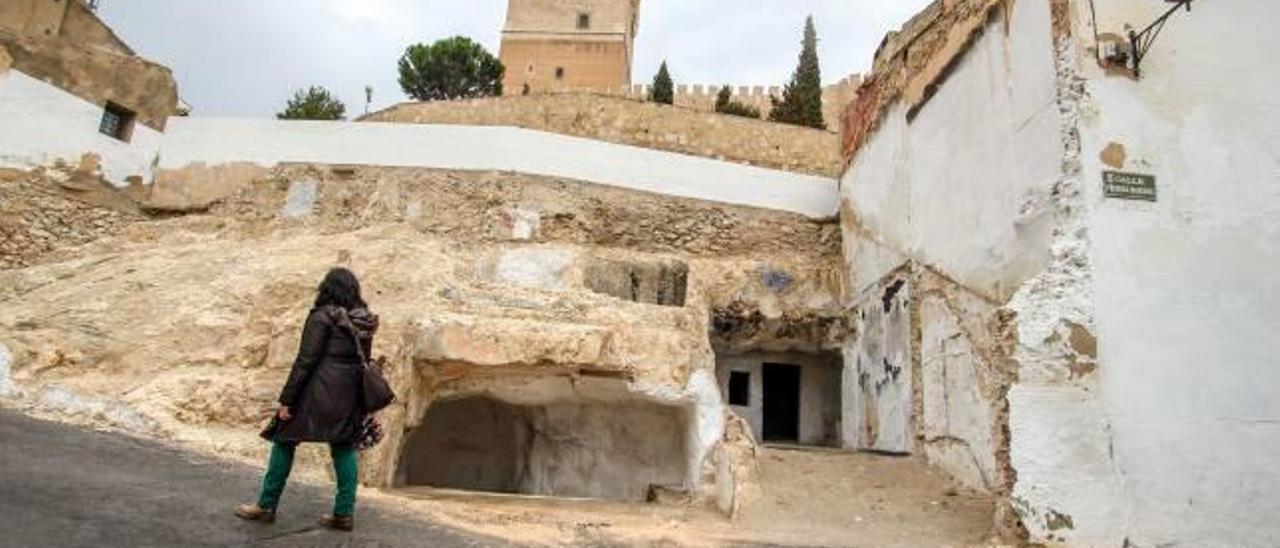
x: 568, y: 44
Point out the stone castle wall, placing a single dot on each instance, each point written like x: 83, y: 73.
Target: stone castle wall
x: 631, y: 122
x: 835, y: 97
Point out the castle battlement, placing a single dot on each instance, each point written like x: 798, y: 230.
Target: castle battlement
x: 703, y: 96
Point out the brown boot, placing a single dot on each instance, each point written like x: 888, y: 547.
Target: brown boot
x: 339, y: 523
x: 252, y: 512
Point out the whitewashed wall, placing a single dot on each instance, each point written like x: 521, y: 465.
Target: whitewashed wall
x: 876, y: 405
x: 268, y: 142
x: 41, y: 124
x: 964, y: 185
x: 965, y: 188
x: 1169, y: 437
x: 1188, y: 287
x: 819, y: 392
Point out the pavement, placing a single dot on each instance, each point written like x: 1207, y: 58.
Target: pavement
x: 62, y: 486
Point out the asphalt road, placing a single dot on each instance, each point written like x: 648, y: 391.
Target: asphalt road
x: 61, y: 486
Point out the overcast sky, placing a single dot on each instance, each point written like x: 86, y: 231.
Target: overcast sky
x: 246, y: 57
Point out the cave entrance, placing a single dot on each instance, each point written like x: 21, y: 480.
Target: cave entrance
x: 617, y: 450
x: 786, y: 397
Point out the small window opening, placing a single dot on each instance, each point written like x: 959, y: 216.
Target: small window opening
x: 117, y: 122
x: 559, y: 73
x: 739, y: 388
x: 584, y: 20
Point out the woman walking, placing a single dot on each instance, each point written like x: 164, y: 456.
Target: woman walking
x: 320, y: 400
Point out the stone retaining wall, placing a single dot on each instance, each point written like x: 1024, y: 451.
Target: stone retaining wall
x: 39, y: 218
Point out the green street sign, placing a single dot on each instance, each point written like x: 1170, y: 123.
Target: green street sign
x: 1129, y: 186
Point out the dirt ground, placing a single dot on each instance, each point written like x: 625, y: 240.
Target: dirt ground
x: 809, y: 498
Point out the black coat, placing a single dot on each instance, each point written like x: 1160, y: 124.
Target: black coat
x: 323, y: 389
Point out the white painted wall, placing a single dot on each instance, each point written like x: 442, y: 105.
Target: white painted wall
x: 753, y: 412
x: 977, y: 187
x: 876, y: 412
x: 963, y: 186
x: 1187, y: 288
x: 41, y: 124
x: 819, y: 392
x: 959, y: 413
x: 268, y: 142
x: 1172, y: 440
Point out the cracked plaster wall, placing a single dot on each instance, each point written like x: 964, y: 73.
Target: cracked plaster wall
x: 1137, y: 333
x: 965, y: 185
x: 1185, y: 287
x: 878, y: 380
x: 29, y: 108
x: 974, y: 190
x: 964, y: 377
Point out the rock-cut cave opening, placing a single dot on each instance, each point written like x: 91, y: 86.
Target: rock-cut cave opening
x: 616, y: 450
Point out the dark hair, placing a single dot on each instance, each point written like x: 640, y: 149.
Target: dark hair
x: 340, y: 288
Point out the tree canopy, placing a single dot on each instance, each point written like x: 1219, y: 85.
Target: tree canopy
x: 313, y: 103
x: 726, y: 105
x: 801, y: 102
x: 663, y: 90
x: 452, y: 68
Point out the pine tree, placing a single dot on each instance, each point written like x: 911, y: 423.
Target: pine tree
x: 313, y: 103
x: 663, y: 88
x: 452, y: 68
x: 801, y: 102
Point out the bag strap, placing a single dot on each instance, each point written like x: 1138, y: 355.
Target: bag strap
x: 345, y: 323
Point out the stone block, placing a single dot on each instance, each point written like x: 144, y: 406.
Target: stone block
x: 519, y: 224
x: 500, y: 341
x: 301, y: 200
x: 534, y: 267
x: 658, y: 282
x: 6, y: 365
x: 197, y: 186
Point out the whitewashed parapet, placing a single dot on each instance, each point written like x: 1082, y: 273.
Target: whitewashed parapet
x: 42, y: 125
x: 211, y: 142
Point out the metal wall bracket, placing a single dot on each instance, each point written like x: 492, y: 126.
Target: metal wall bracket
x: 1141, y: 42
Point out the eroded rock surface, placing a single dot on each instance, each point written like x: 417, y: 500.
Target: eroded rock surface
x: 184, y: 327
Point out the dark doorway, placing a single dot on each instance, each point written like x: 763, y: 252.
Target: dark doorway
x: 781, y: 402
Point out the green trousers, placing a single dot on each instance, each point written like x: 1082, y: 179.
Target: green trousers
x: 345, y: 467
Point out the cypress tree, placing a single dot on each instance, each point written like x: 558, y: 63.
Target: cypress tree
x: 801, y: 102
x: 663, y: 88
